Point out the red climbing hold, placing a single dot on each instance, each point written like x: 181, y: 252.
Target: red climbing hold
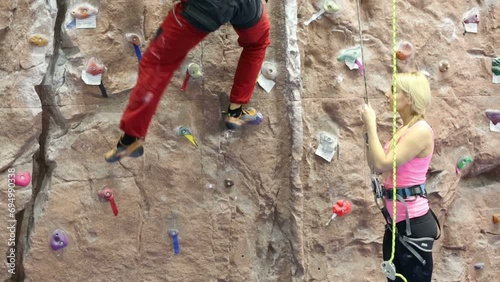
x: 107, y: 194
x: 342, y: 208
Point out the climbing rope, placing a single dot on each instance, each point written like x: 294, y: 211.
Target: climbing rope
x: 362, y: 53
x: 389, y: 269
x: 394, y: 129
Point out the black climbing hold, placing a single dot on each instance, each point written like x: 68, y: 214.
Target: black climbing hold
x: 228, y: 182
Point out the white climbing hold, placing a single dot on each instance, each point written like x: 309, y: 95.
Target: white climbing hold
x: 479, y: 265
x: 269, y: 70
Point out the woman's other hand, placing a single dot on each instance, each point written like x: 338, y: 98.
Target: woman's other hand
x: 368, y: 115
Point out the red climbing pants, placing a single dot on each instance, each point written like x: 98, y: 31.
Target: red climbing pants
x: 166, y: 53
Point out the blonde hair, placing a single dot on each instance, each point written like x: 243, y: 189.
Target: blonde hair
x: 415, y: 86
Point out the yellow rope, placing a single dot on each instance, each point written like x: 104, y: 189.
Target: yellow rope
x: 394, y: 122
x: 394, y: 128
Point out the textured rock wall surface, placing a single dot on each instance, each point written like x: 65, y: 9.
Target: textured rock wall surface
x: 269, y: 226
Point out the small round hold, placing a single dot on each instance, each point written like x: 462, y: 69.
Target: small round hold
x: 228, y: 182
x: 39, y: 40
x: 133, y: 38
x: 173, y: 232
x: 210, y: 186
x: 269, y: 70
x: 479, y: 265
x: 194, y: 70
x: 444, y: 65
x: 330, y: 6
x: 464, y: 161
x: 58, y: 240
x: 106, y: 194
x: 496, y: 218
x: 22, y: 179
x: 404, y: 50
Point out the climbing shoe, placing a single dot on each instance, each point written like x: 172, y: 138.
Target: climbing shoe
x: 246, y: 116
x: 134, y: 150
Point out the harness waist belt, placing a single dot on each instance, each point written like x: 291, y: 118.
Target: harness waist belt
x: 417, y: 190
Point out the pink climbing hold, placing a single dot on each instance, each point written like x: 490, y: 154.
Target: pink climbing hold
x: 84, y: 11
x: 360, y: 66
x: 22, y: 179
x: 94, y: 67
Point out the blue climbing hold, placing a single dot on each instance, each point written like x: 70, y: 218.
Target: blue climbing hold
x: 174, y: 234
x: 137, y: 52
x: 72, y: 24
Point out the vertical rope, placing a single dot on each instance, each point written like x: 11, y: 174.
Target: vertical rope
x: 394, y: 119
x: 362, y: 52
x: 394, y: 129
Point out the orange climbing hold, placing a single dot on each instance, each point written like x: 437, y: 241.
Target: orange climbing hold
x: 496, y: 218
x: 404, y: 50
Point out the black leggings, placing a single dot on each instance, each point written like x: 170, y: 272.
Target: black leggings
x: 406, y: 263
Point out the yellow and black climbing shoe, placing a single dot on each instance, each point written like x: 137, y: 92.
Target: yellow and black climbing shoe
x: 134, y: 150
x: 246, y: 116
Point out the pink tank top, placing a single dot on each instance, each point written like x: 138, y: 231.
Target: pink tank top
x: 412, y: 173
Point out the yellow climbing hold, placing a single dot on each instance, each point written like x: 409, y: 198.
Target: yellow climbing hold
x: 186, y: 132
x: 194, y: 70
x: 191, y: 139
x: 39, y: 40
x: 330, y: 6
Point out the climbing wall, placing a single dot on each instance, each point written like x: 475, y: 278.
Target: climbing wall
x: 250, y: 205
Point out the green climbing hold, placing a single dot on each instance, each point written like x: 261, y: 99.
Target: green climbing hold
x: 464, y: 162
x: 350, y: 54
x: 496, y: 70
x: 496, y: 62
x: 330, y: 6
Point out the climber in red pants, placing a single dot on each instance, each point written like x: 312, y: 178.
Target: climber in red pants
x: 186, y: 25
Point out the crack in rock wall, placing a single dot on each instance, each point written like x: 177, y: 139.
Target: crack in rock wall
x: 268, y: 226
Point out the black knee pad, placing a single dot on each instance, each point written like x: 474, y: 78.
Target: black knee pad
x: 159, y: 31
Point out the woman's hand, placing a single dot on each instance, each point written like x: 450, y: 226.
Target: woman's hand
x: 368, y: 116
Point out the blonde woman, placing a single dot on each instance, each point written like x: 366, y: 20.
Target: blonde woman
x: 417, y: 226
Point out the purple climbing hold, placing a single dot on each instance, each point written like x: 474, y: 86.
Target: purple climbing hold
x: 58, y: 240
x: 479, y: 265
x: 493, y: 115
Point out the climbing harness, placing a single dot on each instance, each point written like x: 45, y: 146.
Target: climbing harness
x: 424, y: 243
x: 398, y: 194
